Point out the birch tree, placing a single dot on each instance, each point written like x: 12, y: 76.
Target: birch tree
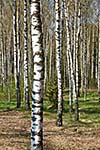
x: 70, y: 65
x: 1, y: 45
x: 15, y: 39
x: 58, y: 61
x: 16, y: 46
x: 76, y: 42
x: 99, y: 67
x: 92, y: 54
x: 26, y: 84
x: 38, y: 81
x: 68, y: 45
x: 1, y: 42
x: 85, y: 59
x: 17, y: 30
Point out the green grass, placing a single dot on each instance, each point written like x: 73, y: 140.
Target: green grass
x: 10, y: 105
x: 89, y: 109
x: 5, y: 105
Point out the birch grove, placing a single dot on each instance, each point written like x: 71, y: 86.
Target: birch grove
x: 49, y: 53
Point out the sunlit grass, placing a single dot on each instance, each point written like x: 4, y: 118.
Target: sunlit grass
x: 89, y: 109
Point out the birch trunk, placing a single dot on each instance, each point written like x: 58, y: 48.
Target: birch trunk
x: 69, y: 56
x: 76, y: 42
x: 5, y: 57
x: 45, y: 64
x: 26, y: 82
x: 92, y: 54
x: 81, y: 36
x: 3, y: 74
x: 96, y: 61
x: 15, y: 41
x: 8, y: 68
x: 2, y: 47
x: 58, y: 61
x: 18, y: 38
x: 85, y: 61
x: 1, y: 42
x: 50, y: 65
x: 88, y: 55
x: 37, y: 91
x: 18, y: 56
x: 99, y: 67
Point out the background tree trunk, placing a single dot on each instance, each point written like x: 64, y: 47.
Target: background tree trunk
x: 58, y: 61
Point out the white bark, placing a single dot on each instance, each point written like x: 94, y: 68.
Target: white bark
x: 50, y: 65
x: 92, y: 54
x: 26, y: 84
x: 38, y: 81
x: 45, y: 64
x: 8, y: 68
x: 88, y: 55
x: 58, y: 60
x: 2, y: 50
x: 81, y: 36
x: 69, y: 56
x: 16, y: 50
x: 85, y: 61
x: 1, y: 42
x: 18, y: 38
x: 15, y: 41
x: 76, y: 41
x: 3, y: 74
x: 99, y: 67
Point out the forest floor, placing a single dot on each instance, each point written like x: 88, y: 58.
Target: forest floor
x: 15, y: 129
